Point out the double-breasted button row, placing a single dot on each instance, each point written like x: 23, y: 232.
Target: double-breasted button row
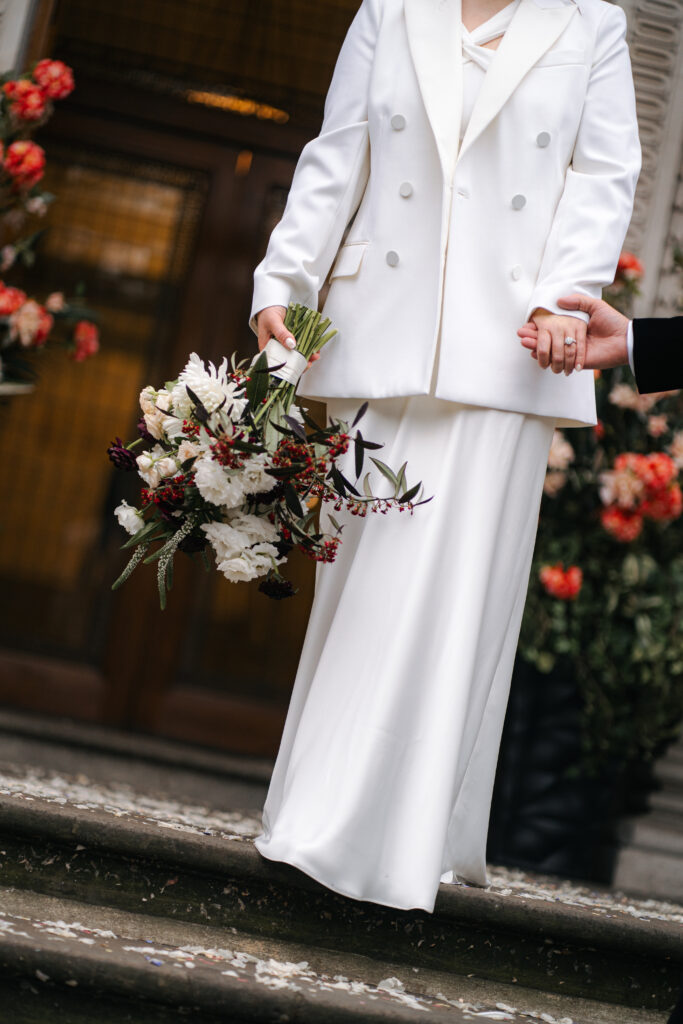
x: 518, y: 202
x: 543, y: 139
x: 392, y: 258
x: 398, y: 122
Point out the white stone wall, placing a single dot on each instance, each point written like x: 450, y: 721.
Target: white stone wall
x: 656, y: 43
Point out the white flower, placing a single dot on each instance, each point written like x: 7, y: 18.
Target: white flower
x: 242, y: 547
x: 254, y: 474
x: 626, y: 397
x: 167, y: 466
x: 257, y: 528
x: 657, y: 425
x: 211, y: 386
x: 147, y: 400
x: 216, y: 486
x: 252, y: 563
x: 187, y: 450
x: 561, y: 452
x: 554, y: 482
x: 147, y: 465
x: 128, y: 517
x: 622, y: 487
x: 676, y: 448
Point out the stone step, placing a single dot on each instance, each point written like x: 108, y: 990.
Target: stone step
x: 94, y: 965
x: 205, y: 870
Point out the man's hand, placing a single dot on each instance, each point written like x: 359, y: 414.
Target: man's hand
x: 550, y: 333
x: 605, y: 339
x: 271, y: 324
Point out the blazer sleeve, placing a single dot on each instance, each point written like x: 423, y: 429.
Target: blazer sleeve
x: 594, y: 211
x: 658, y: 353
x: 329, y: 180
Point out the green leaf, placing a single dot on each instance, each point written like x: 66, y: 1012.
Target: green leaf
x: 359, y: 453
x: 385, y: 471
x: 367, y: 489
x: 144, y: 533
x: 359, y: 415
x: 292, y: 501
x: 409, y: 494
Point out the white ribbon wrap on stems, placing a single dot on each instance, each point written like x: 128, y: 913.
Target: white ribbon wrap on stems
x: 295, y: 363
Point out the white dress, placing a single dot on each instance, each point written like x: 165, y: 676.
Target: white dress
x: 382, y: 784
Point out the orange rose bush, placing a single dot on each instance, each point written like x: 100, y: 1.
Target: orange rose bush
x: 606, y: 591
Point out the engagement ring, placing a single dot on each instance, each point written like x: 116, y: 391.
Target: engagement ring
x: 570, y: 341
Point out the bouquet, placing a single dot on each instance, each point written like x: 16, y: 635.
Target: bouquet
x: 231, y: 463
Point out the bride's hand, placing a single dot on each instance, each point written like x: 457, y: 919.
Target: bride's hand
x: 551, y: 349
x: 271, y: 324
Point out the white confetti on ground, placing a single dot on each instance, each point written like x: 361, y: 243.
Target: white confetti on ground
x: 272, y: 973
x: 121, y: 800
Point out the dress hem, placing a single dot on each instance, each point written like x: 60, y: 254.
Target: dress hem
x: 301, y: 865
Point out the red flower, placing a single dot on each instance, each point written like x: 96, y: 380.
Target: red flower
x: 664, y: 504
x: 25, y: 163
x: 86, y: 339
x: 629, y: 266
x: 31, y: 323
x: 599, y: 430
x: 657, y: 470
x: 55, y: 78
x: 623, y: 524
x: 26, y: 100
x: 561, y: 583
x: 10, y: 299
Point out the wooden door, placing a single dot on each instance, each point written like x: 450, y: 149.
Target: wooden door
x: 165, y: 233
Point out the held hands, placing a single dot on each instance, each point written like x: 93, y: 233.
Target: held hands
x: 605, y: 344
x: 271, y: 324
x: 549, y: 333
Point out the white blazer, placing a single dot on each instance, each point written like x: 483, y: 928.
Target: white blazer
x: 437, y: 252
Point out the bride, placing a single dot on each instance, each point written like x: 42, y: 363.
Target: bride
x: 477, y: 160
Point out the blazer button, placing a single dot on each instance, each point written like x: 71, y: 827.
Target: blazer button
x: 516, y: 273
x: 392, y: 258
x: 543, y: 139
x: 405, y: 189
x: 398, y: 122
x: 518, y: 202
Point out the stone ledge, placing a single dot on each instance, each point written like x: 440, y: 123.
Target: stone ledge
x: 87, y: 855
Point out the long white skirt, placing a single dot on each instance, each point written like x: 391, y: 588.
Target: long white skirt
x: 383, y: 780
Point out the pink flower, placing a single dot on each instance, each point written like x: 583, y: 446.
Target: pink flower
x: 554, y: 481
x: 31, y: 323
x: 561, y: 452
x: 55, y: 302
x: 676, y: 449
x: 657, y: 425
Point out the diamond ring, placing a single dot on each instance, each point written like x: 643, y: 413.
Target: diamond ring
x: 570, y: 341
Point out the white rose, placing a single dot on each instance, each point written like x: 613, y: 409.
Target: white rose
x: 166, y: 467
x: 252, y: 563
x: 214, y: 484
x: 147, y: 400
x: 256, y: 528
x: 146, y: 463
x: 187, y: 450
x: 129, y: 517
x: 254, y: 474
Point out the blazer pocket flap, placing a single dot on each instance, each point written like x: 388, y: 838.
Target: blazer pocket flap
x: 349, y: 259
x: 556, y: 58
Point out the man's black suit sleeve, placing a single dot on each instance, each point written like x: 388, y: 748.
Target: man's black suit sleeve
x: 658, y: 353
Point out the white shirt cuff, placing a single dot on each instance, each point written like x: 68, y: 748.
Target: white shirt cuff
x: 629, y: 345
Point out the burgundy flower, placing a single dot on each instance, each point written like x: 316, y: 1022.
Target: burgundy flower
x: 276, y: 587
x: 121, y: 456
x: 143, y: 431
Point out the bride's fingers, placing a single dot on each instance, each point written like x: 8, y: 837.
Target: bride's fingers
x: 530, y: 343
x: 581, y: 334
x: 544, y: 347
x: 557, y: 353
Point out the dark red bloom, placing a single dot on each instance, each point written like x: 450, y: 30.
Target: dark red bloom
x: 121, y: 456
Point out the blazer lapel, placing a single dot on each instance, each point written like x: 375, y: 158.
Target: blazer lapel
x: 533, y: 30
x: 434, y: 37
